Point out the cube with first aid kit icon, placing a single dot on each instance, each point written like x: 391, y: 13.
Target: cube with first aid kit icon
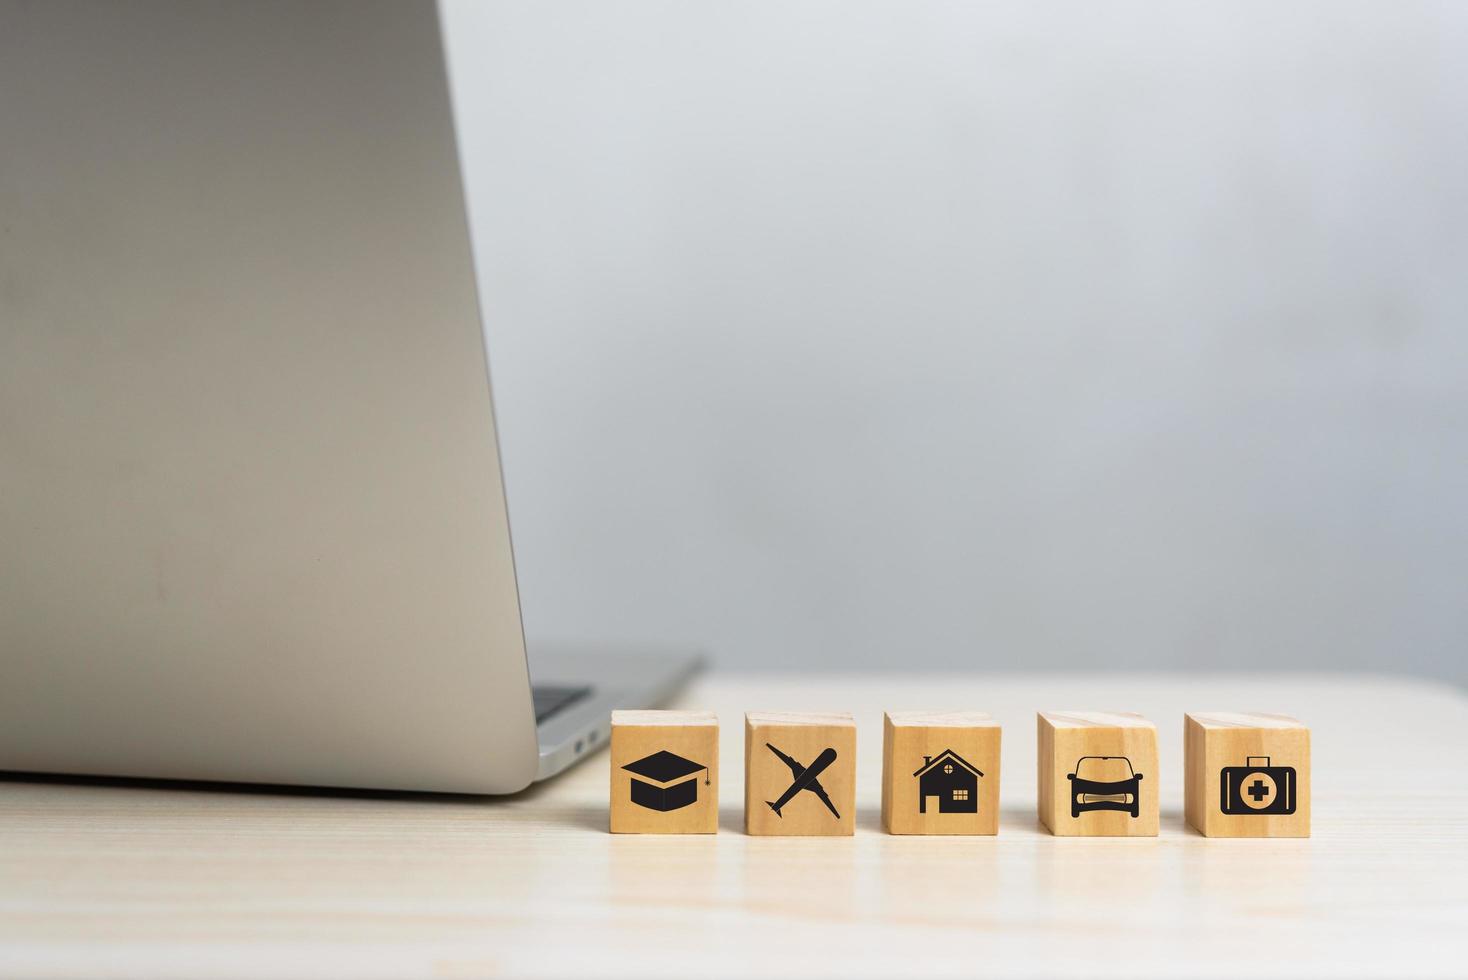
x: 1247, y: 775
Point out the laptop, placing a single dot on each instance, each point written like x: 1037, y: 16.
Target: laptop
x: 251, y: 506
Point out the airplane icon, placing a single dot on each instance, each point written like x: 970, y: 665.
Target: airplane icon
x: 804, y: 779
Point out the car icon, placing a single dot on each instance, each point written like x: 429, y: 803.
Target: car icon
x: 1104, y: 782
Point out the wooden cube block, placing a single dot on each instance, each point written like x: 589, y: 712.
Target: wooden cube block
x: 665, y: 772
x: 940, y: 773
x: 1247, y: 775
x: 799, y: 774
x: 1098, y: 774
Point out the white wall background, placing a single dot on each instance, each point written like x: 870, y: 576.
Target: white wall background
x: 1001, y: 336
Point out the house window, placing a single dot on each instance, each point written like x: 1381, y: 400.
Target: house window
x: 948, y: 768
x: 960, y: 794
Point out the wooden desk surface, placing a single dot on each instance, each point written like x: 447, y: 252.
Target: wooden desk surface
x: 157, y: 881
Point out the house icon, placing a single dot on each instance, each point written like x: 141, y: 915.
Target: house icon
x: 952, y: 780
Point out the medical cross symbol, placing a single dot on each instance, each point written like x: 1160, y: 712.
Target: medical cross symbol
x: 1258, y: 790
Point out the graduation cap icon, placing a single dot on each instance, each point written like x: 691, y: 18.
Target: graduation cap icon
x: 664, y: 781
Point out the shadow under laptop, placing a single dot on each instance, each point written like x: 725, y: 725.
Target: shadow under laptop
x: 538, y: 803
x: 233, y: 788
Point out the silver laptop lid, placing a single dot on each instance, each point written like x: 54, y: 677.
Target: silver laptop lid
x: 250, y: 501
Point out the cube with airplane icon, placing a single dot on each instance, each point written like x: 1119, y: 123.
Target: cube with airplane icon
x: 799, y: 774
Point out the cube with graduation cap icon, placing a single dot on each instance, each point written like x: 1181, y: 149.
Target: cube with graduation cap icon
x: 664, y: 772
x: 664, y: 781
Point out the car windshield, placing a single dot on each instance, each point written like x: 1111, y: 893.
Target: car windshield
x: 1104, y: 769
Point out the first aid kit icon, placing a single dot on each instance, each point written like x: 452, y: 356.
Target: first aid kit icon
x: 1257, y: 788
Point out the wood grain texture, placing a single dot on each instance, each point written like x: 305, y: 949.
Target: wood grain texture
x: 691, y: 735
x: 186, y: 881
x: 942, y: 747
x: 1219, y: 750
x: 1098, y: 750
x: 770, y: 808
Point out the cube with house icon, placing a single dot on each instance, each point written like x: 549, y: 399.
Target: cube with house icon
x: 665, y: 772
x: 940, y: 773
x: 1098, y: 774
x: 1246, y: 775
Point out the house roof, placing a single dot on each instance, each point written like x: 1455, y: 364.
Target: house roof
x: 948, y: 754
